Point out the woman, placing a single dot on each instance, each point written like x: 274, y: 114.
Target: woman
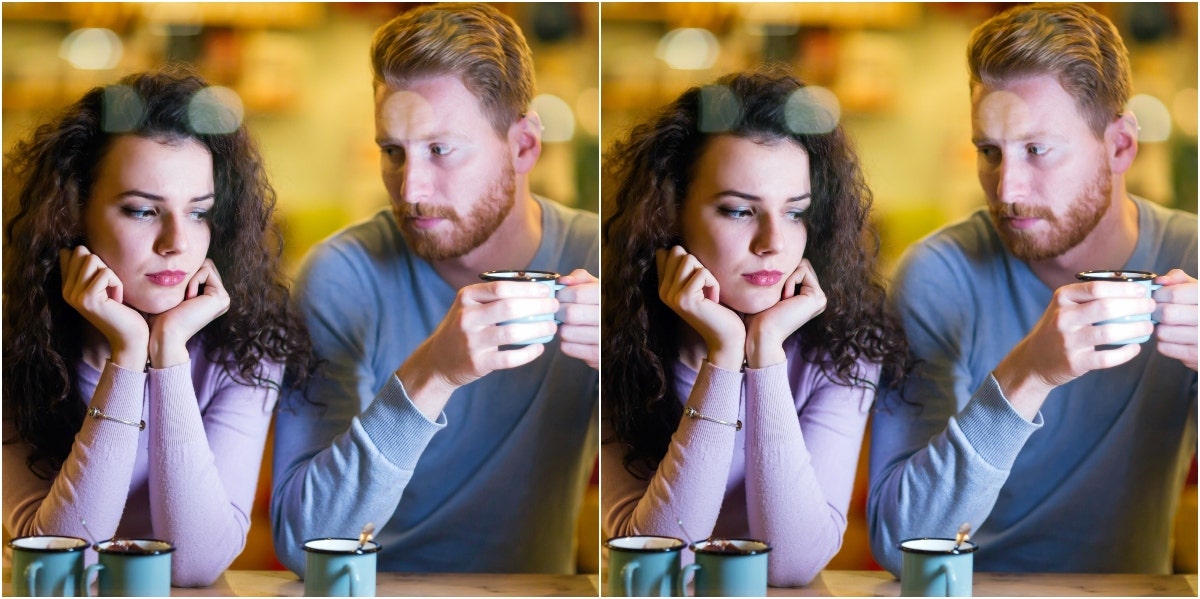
x: 744, y: 324
x: 146, y: 328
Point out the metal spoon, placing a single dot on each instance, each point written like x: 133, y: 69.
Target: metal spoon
x: 964, y: 534
x: 691, y: 543
x: 364, y: 537
x: 91, y: 537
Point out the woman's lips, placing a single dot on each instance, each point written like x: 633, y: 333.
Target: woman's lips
x: 167, y: 278
x: 763, y: 278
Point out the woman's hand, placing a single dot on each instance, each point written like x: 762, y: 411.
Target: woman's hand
x: 95, y: 291
x: 767, y: 330
x: 693, y: 293
x: 171, y: 330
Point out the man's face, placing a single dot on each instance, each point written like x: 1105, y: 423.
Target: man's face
x: 449, y: 175
x: 1045, y: 174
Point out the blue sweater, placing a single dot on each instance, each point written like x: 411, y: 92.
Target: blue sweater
x: 1092, y: 484
x: 495, y: 484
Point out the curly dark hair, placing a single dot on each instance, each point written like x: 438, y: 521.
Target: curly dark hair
x: 652, y: 169
x: 48, y: 177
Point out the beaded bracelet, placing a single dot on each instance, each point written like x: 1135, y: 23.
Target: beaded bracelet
x: 691, y: 412
x: 96, y: 413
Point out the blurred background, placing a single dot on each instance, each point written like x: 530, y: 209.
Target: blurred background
x: 898, y: 73
x: 303, y: 76
x: 302, y: 73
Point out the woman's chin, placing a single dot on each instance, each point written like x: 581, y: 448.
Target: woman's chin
x: 750, y: 306
x: 153, y: 307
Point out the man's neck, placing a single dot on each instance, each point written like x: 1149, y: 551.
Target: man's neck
x: 1108, y: 246
x: 511, y: 246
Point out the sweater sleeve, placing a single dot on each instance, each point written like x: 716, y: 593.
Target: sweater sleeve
x: 101, y: 460
x: 690, y: 480
x: 934, y: 465
x: 337, y: 465
x: 800, y: 467
x: 204, y: 467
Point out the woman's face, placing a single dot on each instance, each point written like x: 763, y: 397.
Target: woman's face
x: 147, y: 217
x: 743, y: 217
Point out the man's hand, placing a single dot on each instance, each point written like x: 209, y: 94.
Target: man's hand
x: 1062, y: 345
x: 466, y: 344
x: 580, y: 315
x: 1176, y: 315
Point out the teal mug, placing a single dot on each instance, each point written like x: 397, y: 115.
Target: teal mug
x: 643, y: 566
x: 728, y: 568
x: 934, y: 568
x: 132, y: 568
x: 549, y: 279
x: 1146, y: 279
x: 338, y: 568
x: 48, y: 566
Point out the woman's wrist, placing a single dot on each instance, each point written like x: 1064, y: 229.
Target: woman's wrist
x: 761, y: 352
x: 129, y: 357
x: 165, y: 352
x: 730, y: 356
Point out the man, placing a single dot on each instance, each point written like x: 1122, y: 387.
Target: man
x: 466, y: 454
x: 1063, y: 454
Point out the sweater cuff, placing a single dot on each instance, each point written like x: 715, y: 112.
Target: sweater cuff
x: 397, y: 428
x: 117, y: 382
x: 993, y: 428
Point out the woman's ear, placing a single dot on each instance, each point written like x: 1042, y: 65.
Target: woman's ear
x: 1121, y: 142
x: 525, y: 141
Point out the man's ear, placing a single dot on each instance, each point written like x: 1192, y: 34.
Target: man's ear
x: 1121, y: 142
x: 525, y: 141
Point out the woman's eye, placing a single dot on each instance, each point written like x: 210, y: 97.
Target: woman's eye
x: 796, y: 215
x: 199, y: 214
x: 736, y: 213
x: 138, y: 213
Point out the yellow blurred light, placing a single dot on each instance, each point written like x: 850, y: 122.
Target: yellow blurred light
x: 689, y: 49
x: 1154, y: 121
x: 91, y: 49
x: 558, y: 122
x: 1183, y: 108
x: 587, y: 110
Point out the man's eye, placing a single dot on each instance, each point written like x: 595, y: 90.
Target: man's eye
x: 439, y: 149
x: 1037, y: 150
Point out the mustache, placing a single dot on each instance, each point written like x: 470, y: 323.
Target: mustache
x: 1022, y: 211
x: 423, y: 210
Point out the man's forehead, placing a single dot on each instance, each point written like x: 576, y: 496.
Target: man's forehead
x: 438, y: 104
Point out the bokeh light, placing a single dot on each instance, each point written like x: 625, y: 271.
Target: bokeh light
x: 216, y: 110
x: 121, y: 109
x: 689, y: 49
x: 558, y: 121
x: 91, y: 49
x: 812, y: 110
x: 720, y: 110
x: 587, y: 110
x: 1184, y: 109
x: 1154, y: 119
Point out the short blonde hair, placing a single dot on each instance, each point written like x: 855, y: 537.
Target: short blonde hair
x: 475, y: 42
x: 1077, y: 45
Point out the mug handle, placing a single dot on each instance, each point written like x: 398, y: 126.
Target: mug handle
x: 85, y: 589
x: 681, y: 590
x: 950, y: 578
x: 31, y: 577
x: 627, y: 577
x: 353, y: 572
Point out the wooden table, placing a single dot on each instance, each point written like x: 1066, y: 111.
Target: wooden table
x: 845, y: 583
x: 830, y: 583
